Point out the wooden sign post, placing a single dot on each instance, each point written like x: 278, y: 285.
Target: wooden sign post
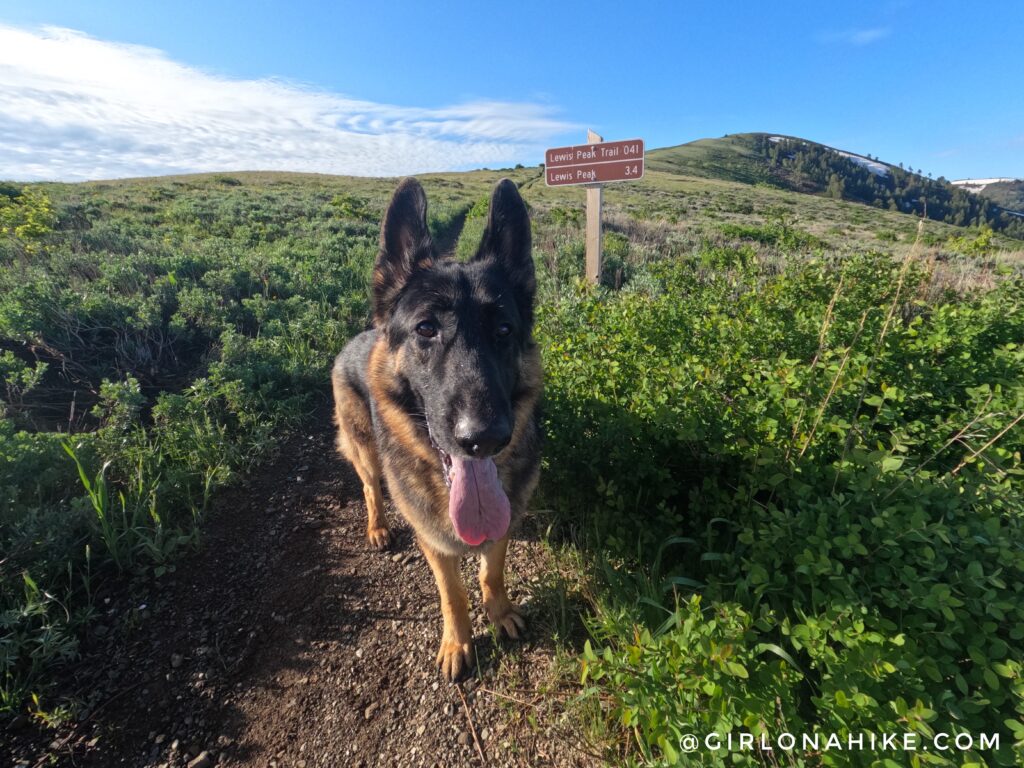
x: 595, y: 198
x: 594, y: 166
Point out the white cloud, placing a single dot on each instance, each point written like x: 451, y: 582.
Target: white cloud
x: 866, y: 36
x: 73, y: 107
x: 858, y: 36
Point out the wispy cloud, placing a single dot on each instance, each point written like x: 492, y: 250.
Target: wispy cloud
x: 856, y: 36
x: 74, y: 107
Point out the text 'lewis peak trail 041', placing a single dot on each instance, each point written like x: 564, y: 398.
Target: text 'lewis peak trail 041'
x: 594, y: 163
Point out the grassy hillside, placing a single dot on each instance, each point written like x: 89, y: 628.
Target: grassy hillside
x: 735, y: 157
x: 784, y: 442
x: 696, y: 208
x: 805, y: 166
x: 730, y: 158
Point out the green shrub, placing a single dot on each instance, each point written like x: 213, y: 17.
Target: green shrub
x: 27, y: 218
x: 175, y: 333
x: 562, y: 216
x: 352, y: 207
x: 616, y: 267
x: 846, y: 460
x: 777, y: 231
x: 980, y: 245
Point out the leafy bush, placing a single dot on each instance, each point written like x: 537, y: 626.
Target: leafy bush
x: 980, y: 245
x: 777, y: 231
x: 845, y: 460
x: 562, y: 216
x: 352, y: 207
x: 615, y: 265
x: 27, y: 218
x: 479, y: 208
x: 175, y: 338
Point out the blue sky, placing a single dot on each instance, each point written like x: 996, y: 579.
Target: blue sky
x: 377, y: 88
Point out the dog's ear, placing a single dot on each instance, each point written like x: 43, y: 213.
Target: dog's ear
x: 506, y: 239
x: 405, y: 247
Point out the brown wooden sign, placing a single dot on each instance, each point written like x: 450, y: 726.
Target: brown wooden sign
x: 595, y: 163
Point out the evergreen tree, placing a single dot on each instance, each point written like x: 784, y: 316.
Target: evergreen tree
x: 835, y: 187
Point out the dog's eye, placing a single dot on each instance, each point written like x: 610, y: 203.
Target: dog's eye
x: 503, y: 329
x: 426, y: 329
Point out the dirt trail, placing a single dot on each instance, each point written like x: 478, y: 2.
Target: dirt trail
x: 286, y: 641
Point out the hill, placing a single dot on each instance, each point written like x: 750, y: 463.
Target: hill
x: 800, y: 165
x: 731, y: 158
x: 1007, y: 193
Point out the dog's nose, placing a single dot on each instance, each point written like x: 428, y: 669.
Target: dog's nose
x: 482, y: 440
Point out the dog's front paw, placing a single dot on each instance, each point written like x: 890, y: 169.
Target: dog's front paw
x: 379, y: 538
x: 505, y: 616
x: 454, y: 658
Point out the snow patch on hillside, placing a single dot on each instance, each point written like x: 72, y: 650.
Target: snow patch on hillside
x: 877, y: 168
x: 977, y: 185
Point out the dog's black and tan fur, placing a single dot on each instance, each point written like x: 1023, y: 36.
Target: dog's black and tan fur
x: 450, y: 368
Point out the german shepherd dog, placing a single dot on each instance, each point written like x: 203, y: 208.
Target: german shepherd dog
x: 440, y: 400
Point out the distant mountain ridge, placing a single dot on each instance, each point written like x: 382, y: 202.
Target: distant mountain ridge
x: 801, y: 165
x: 1006, y: 192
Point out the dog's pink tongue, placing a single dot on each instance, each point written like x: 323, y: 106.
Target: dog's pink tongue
x: 477, y: 503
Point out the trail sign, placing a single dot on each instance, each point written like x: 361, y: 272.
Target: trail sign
x: 594, y: 163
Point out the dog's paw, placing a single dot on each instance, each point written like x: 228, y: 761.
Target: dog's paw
x: 454, y: 658
x: 506, y: 617
x: 379, y: 538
